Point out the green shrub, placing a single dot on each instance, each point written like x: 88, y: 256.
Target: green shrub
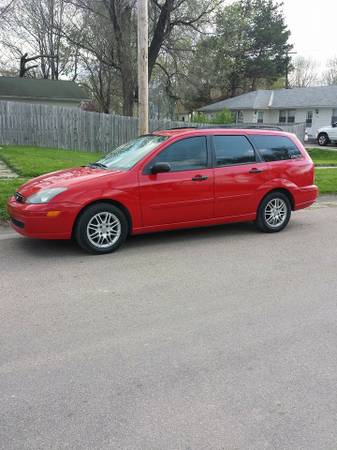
x: 220, y: 118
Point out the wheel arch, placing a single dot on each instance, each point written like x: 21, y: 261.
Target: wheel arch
x: 285, y: 192
x: 323, y: 133
x: 119, y: 205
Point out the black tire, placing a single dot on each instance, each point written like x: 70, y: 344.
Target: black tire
x: 264, y: 214
x: 323, y: 139
x: 112, y: 234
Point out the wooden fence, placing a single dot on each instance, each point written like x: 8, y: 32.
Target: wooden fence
x: 71, y: 128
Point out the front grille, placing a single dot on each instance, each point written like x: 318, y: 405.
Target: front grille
x: 19, y: 197
x: 17, y: 223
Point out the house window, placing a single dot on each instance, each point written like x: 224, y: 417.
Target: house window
x: 334, y: 116
x: 308, y: 120
x: 283, y: 117
x: 291, y: 116
x: 239, y: 117
x: 287, y: 116
x: 260, y: 115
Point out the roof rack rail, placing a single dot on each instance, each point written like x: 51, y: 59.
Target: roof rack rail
x: 245, y: 127
x: 230, y: 126
x: 173, y: 128
x: 183, y: 128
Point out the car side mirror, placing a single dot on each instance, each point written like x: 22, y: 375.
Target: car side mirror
x: 160, y: 167
x: 334, y: 125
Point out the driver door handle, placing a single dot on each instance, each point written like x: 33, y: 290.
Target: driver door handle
x: 255, y: 170
x: 199, y: 178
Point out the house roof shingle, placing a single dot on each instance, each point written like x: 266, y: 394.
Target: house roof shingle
x: 31, y: 88
x: 311, y: 97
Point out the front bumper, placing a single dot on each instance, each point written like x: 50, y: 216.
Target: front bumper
x: 43, y: 221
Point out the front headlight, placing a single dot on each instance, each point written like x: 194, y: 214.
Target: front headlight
x: 45, y: 195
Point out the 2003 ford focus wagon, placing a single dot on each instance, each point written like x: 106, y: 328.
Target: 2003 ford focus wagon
x: 168, y: 180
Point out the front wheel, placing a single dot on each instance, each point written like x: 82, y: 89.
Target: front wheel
x: 101, y: 228
x: 323, y: 139
x: 274, y: 213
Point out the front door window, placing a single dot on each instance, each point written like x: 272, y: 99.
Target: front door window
x: 187, y: 154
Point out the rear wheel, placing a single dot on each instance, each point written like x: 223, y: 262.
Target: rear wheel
x: 323, y: 139
x: 274, y: 213
x: 101, y: 228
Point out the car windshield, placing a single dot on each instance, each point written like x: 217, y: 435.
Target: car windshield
x: 127, y: 155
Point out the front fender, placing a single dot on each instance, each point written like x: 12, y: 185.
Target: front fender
x: 129, y: 200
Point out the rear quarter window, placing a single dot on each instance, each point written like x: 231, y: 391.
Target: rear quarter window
x: 276, y: 148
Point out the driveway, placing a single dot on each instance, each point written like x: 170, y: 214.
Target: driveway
x: 221, y: 338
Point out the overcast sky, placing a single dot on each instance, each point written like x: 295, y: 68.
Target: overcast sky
x: 313, y: 27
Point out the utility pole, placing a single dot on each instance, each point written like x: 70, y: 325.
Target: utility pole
x: 143, y: 67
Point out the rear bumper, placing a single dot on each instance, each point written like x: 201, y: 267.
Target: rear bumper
x: 305, y: 197
x: 33, y: 220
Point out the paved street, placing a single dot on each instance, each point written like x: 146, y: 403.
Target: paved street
x: 220, y: 338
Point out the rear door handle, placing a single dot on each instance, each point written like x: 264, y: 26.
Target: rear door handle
x: 255, y: 170
x: 199, y: 178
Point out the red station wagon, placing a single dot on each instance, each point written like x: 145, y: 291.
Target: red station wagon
x: 168, y: 180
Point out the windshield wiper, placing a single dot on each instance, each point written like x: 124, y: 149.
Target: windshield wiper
x: 99, y: 165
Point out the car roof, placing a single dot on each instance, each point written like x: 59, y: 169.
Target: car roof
x: 212, y: 131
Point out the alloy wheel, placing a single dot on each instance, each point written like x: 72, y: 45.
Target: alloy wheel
x: 104, y: 230
x: 322, y: 140
x: 276, y: 212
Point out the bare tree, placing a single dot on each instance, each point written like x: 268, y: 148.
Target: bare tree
x: 97, y: 41
x: 304, y: 73
x: 34, y: 28
x: 5, y: 7
x: 330, y: 75
x: 118, y: 18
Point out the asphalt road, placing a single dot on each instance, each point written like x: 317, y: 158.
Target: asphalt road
x: 221, y: 338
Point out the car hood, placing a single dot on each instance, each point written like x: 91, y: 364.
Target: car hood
x: 64, y: 178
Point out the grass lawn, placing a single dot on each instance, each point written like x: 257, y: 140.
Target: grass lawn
x: 30, y: 162
x: 323, y: 157
x: 33, y: 161
x: 7, y: 188
x: 326, y: 180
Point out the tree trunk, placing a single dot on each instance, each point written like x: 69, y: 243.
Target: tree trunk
x: 121, y: 19
x: 159, y: 34
x: 128, y: 97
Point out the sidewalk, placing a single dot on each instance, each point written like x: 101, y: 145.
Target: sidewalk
x: 329, y: 149
x: 6, y: 172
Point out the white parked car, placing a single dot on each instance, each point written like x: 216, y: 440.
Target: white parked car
x: 327, y: 135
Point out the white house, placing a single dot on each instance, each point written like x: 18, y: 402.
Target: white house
x: 315, y: 106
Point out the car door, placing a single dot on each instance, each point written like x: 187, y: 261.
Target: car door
x: 238, y: 173
x: 185, y: 193
x: 333, y: 132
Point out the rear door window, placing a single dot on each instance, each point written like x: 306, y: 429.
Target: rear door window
x: 276, y: 148
x: 233, y: 150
